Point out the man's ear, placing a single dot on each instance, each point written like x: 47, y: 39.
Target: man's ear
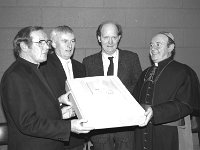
x: 171, y: 47
x: 99, y: 39
x: 24, y: 46
x: 53, y: 44
x: 120, y: 37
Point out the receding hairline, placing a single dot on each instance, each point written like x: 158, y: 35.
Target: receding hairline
x: 110, y: 24
x: 100, y: 27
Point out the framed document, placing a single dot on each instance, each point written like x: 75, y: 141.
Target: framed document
x: 104, y: 102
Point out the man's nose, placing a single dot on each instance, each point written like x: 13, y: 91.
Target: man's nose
x: 47, y: 46
x: 153, y: 47
x: 69, y: 45
x: 110, y: 41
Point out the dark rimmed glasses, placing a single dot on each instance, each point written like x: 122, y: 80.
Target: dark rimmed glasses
x: 43, y: 42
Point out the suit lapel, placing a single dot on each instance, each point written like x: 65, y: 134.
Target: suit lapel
x: 121, y: 65
x: 74, y: 68
x: 57, y: 64
x: 99, y: 64
x: 57, y: 75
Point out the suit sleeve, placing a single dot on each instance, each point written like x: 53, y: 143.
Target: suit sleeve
x: 137, y: 67
x: 136, y: 72
x: 85, y: 66
x: 137, y: 88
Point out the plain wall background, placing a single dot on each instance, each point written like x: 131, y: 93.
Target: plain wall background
x: 140, y: 20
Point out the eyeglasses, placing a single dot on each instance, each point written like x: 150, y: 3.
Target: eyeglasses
x: 43, y: 42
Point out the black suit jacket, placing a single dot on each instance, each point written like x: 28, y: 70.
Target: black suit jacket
x: 54, y: 73
x: 32, y: 111
x: 129, y: 68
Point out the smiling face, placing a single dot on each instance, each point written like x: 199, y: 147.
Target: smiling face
x: 109, y: 38
x: 64, y: 44
x: 159, y: 50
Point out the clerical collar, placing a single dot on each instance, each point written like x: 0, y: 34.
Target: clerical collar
x: 36, y: 66
x: 164, y: 62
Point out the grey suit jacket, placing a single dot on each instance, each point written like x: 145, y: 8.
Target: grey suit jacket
x: 129, y: 68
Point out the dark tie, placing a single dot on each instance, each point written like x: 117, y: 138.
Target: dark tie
x: 111, y: 67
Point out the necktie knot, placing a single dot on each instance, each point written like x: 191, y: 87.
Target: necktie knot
x: 110, y: 58
x: 111, y: 67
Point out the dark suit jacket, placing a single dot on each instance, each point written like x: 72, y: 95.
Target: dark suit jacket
x: 32, y: 111
x: 55, y: 75
x: 129, y: 68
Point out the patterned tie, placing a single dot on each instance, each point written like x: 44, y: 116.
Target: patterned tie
x: 111, y: 67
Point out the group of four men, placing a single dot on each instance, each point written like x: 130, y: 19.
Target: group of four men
x: 33, y: 90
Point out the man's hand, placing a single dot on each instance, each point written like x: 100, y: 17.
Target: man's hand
x: 64, y: 99
x: 67, y: 112
x: 77, y: 126
x: 149, y: 115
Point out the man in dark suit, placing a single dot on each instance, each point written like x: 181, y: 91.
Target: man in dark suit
x: 32, y: 111
x: 59, y: 67
x: 125, y: 65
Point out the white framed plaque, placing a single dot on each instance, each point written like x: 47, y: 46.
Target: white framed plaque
x: 104, y: 102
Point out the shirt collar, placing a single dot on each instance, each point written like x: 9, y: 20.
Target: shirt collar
x: 164, y: 62
x: 113, y: 55
x: 63, y: 61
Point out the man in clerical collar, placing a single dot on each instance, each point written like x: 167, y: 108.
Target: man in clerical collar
x: 165, y: 90
x: 33, y: 113
x: 162, y: 46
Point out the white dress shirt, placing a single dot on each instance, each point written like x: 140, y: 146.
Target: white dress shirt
x: 67, y: 66
x: 106, y: 62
